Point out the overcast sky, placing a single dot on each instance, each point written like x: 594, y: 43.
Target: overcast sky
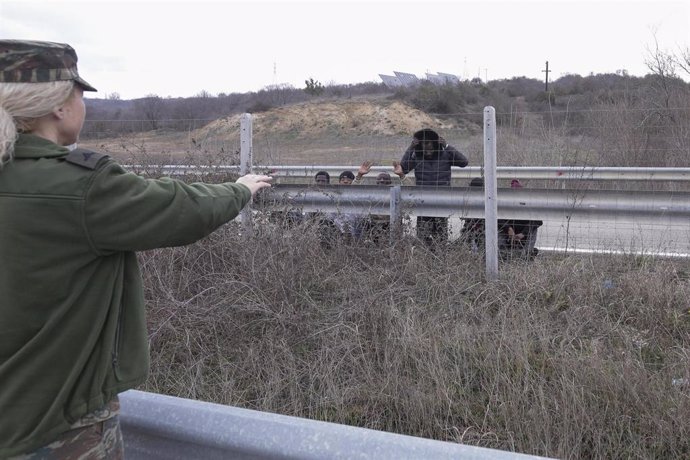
x: 178, y: 49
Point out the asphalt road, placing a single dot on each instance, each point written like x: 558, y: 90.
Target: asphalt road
x: 642, y: 236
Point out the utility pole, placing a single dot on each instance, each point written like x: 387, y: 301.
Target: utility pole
x: 547, y: 76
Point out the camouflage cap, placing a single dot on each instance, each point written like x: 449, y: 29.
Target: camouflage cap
x: 28, y: 61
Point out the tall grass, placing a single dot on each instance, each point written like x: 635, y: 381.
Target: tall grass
x: 570, y: 357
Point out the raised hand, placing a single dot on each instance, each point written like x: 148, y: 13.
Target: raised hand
x: 397, y: 169
x: 364, y: 168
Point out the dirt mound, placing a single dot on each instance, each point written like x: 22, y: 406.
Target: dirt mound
x: 330, y: 118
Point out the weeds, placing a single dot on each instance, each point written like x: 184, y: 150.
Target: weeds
x: 569, y: 357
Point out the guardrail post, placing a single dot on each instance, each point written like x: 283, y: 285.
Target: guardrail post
x: 490, y: 203
x: 246, y: 163
x: 396, y: 215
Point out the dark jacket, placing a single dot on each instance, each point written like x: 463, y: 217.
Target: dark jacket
x: 72, y: 317
x: 435, y: 169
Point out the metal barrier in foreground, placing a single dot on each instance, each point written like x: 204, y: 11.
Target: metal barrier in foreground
x: 164, y: 427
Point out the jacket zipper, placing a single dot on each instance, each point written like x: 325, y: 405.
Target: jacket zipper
x: 116, y: 349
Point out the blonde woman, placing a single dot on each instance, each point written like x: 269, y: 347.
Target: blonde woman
x: 72, y: 321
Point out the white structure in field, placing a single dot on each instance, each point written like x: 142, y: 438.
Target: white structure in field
x: 390, y: 80
x: 403, y: 79
x: 407, y: 79
x: 435, y: 79
x: 449, y: 78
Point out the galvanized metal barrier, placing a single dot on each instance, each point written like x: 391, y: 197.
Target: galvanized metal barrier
x: 520, y: 203
x: 164, y: 427
x: 588, y: 221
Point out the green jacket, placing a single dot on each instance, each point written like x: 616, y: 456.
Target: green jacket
x: 72, y: 316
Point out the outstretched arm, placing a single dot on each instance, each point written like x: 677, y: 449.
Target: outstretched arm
x: 125, y: 212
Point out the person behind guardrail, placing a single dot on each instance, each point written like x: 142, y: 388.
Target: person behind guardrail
x: 350, y: 224
x: 516, y: 238
x: 431, y: 158
x: 322, y: 178
x: 293, y: 217
x: 346, y: 178
x: 377, y: 228
x: 473, y: 230
x: 327, y: 229
x: 72, y: 318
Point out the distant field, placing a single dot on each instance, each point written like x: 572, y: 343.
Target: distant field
x: 273, y: 148
x: 267, y: 150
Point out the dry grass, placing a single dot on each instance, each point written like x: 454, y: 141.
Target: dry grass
x: 565, y: 357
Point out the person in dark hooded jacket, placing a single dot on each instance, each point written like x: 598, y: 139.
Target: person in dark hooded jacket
x: 430, y: 156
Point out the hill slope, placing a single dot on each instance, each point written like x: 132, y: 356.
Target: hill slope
x: 331, y: 118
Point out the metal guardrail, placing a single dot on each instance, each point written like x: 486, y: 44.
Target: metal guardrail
x: 533, y: 204
x: 639, y: 222
x: 164, y: 427
x: 503, y: 172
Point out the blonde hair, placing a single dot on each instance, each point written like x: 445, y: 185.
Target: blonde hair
x: 21, y: 104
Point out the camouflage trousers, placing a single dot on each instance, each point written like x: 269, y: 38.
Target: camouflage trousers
x: 86, y: 440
